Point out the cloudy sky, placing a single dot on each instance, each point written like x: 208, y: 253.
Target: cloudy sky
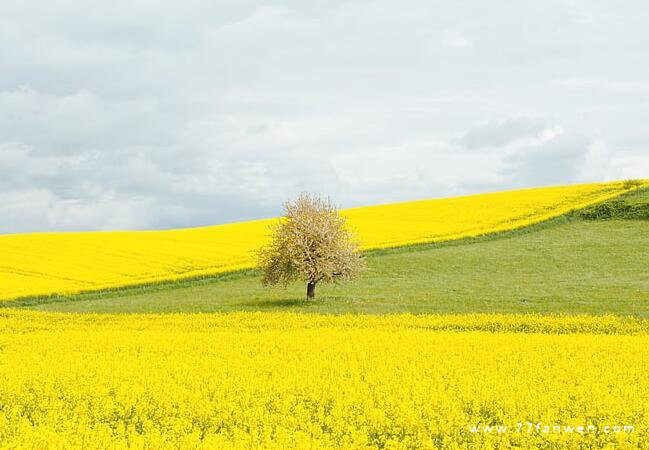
x: 157, y: 114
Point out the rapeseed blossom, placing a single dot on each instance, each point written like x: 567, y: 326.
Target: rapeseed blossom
x: 285, y: 380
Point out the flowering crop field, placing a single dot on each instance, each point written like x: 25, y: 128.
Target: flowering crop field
x: 41, y: 264
x: 282, y: 380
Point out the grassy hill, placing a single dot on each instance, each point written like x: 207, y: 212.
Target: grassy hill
x: 592, y: 261
x: 51, y: 264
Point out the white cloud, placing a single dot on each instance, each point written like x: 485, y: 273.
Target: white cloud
x: 147, y: 114
x: 40, y: 209
x: 632, y: 167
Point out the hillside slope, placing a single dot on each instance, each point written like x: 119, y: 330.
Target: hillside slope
x: 42, y: 264
x: 573, y: 264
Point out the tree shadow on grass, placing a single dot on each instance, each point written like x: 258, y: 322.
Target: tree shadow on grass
x: 275, y: 303
x: 327, y: 302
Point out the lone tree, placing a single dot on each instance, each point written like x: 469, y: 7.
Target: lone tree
x: 311, y: 243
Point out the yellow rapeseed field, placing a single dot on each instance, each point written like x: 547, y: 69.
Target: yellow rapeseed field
x: 282, y: 380
x: 40, y: 264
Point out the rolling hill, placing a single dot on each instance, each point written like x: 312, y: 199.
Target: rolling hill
x: 42, y: 264
x: 590, y: 261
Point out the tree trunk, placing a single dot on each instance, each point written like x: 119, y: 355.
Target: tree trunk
x: 310, y: 290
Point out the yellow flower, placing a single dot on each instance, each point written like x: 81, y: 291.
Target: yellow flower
x: 283, y: 380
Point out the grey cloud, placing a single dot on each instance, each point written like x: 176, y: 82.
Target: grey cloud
x: 556, y: 161
x: 502, y: 132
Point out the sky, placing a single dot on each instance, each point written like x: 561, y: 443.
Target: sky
x: 152, y: 114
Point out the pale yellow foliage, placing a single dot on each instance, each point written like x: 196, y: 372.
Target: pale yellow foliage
x: 310, y: 242
x: 64, y: 263
x: 281, y: 380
